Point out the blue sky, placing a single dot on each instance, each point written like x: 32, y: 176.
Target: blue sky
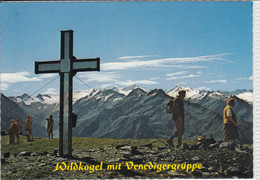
x: 204, y: 45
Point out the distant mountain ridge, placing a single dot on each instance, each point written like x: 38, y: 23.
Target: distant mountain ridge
x: 246, y: 95
x: 136, y: 112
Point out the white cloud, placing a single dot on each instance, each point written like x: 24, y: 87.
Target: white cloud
x: 182, y: 84
x: 4, y: 86
x: 183, y: 77
x: 43, y: 76
x: 194, y: 67
x: 138, y: 82
x: 203, y: 88
x: 135, y: 57
x: 159, y: 63
x: 107, y: 86
x: 244, y: 78
x: 217, y: 81
x: 241, y: 78
x: 176, y: 73
x: 100, y: 77
x: 51, y: 91
x: 18, y: 77
x: 155, y: 78
x: 180, y: 75
x: 24, y: 76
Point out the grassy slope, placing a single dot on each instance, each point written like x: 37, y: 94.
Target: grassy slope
x: 41, y: 145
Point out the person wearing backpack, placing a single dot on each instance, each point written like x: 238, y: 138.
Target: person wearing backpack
x: 177, y: 109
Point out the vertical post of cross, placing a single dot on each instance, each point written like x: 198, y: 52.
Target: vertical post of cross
x: 65, y: 144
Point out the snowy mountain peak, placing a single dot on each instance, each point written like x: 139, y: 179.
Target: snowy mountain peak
x: 128, y: 89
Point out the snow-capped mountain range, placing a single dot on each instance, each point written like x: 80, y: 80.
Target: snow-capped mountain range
x: 246, y: 95
x: 132, y: 112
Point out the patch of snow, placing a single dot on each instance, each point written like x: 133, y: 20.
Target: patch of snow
x: 51, y: 99
x: 246, y: 96
x: 190, y: 93
x: 83, y: 93
x: 108, y: 96
x: 128, y: 89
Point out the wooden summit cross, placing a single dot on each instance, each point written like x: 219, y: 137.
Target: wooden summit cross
x: 67, y: 66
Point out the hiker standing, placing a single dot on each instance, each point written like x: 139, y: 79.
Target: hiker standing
x: 17, y: 122
x: 178, y: 118
x: 50, y: 126
x: 12, y: 131
x: 229, y: 122
x: 28, y: 128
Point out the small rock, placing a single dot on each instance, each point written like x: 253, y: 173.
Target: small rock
x: 3, y: 133
x: 119, y: 146
x: 184, y: 146
x: 239, y: 150
x: 125, y: 153
x: 196, y: 173
x: 234, y: 170
x: 114, y: 160
x: 126, y: 156
x: 34, y: 154
x: 205, y: 174
x: 211, y: 168
x: 42, y: 164
x: 24, y: 153
x: 215, y: 174
x: 147, y: 145
x: 6, y: 155
x: 194, y: 147
x: 138, y: 157
x: 219, y: 142
x: 228, y: 145
x: 176, y: 174
x: 124, y: 159
x: 213, y: 146
x: 2, y: 161
x: 127, y: 148
x: 135, y: 151
x: 162, y: 147
x: 196, y: 158
x: 55, y: 152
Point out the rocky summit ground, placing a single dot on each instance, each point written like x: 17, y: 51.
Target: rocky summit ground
x: 123, y: 158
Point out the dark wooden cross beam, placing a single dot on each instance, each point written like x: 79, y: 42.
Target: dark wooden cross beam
x: 67, y: 66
